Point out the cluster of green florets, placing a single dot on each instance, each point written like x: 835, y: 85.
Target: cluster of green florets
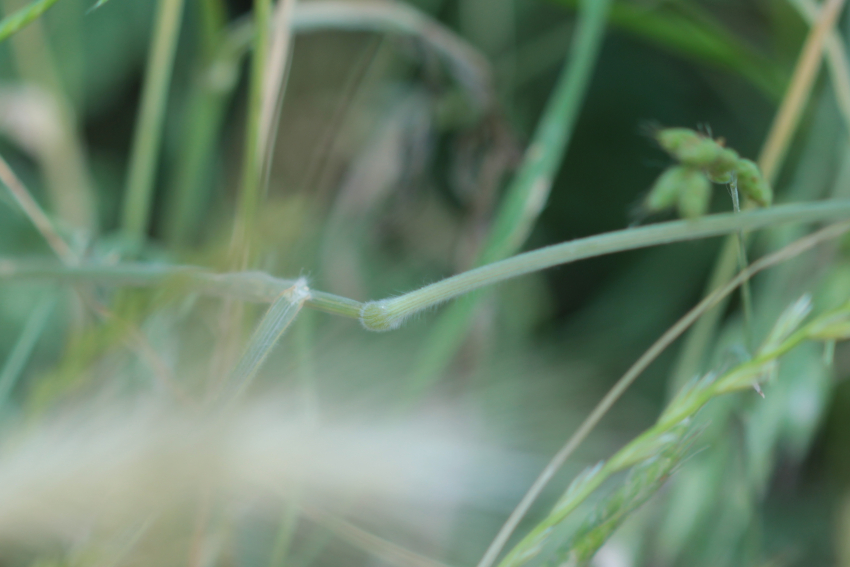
x: 702, y: 161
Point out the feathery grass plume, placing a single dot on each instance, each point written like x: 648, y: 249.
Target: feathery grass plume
x: 100, y: 468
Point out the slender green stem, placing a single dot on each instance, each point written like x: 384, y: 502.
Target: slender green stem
x: 149, y: 123
x: 388, y: 314
x: 250, y: 192
x: 746, y: 296
x: 21, y: 351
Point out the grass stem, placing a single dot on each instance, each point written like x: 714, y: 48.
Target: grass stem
x: 147, y: 140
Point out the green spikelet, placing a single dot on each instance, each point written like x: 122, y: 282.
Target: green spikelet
x: 676, y: 184
x: 752, y: 184
x: 696, y: 150
x: 694, y: 194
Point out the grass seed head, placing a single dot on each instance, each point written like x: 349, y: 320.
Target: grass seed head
x: 694, y: 195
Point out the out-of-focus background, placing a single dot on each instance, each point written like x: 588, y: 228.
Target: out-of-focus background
x: 393, y: 145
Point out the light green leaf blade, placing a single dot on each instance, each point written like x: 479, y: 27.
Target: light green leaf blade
x: 15, y: 22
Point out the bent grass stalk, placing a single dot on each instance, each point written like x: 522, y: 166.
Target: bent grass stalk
x: 790, y: 251
x: 830, y: 326
x: 389, y: 313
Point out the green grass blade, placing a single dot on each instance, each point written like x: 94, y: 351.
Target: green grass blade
x: 528, y: 192
x: 150, y: 121
x: 274, y: 323
x: 22, y: 350
x: 13, y: 23
x: 697, y: 36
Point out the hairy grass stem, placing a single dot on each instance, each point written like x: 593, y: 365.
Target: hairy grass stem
x: 388, y: 314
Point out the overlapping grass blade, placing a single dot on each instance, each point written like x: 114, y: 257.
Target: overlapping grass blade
x: 528, y: 192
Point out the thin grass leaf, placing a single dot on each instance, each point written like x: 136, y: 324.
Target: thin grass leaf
x: 21, y: 352
x: 274, y: 323
x: 13, y: 23
x: 528, y: 192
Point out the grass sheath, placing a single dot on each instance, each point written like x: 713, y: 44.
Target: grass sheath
x: 279, y: 316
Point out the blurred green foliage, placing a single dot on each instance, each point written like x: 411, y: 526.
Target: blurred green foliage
x: 393, y: 150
